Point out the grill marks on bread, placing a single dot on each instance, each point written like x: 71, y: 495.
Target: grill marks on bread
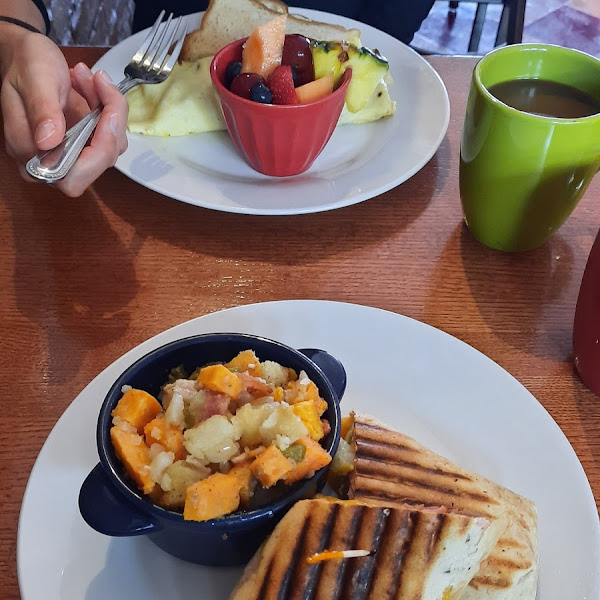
x: 390, y: 470
x: 393, y: 469
x: 403, y: 542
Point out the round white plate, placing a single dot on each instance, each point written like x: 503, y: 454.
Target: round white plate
x: 360, y: 161
x: 417, y: 379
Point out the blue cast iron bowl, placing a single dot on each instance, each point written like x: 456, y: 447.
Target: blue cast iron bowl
x: 111, y: 503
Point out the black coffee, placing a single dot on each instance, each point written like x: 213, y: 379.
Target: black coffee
x: 546, y: 98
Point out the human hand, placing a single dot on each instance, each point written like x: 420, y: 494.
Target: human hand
x: 41, y: 97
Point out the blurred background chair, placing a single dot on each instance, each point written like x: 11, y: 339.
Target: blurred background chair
x: 510, y: 28
x: 90, y: 22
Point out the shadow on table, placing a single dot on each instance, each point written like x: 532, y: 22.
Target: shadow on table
x: 486, y: 278
x: 67, y: 254
x: 302, y: 238
x: 588, y: 407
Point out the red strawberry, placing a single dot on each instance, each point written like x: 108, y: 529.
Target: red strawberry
x: 281, y: 84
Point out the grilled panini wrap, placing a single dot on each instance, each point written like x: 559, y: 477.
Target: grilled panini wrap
x: 393, y: 469
x: 417, y: 554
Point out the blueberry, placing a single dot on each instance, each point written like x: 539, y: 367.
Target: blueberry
x: 261, y: 93
x: 294, y: 77
x: 232, y: 71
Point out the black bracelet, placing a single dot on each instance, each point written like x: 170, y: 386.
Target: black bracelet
x: 20, y: 24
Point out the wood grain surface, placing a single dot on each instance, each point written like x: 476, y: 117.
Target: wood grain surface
x: 82, y: 281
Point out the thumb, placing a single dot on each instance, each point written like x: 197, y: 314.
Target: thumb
x: 41, y: 95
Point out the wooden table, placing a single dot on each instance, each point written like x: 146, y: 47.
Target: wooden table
x: 82, y: 281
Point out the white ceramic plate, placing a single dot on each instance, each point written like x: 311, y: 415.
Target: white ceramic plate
x: 416, y: 378
x: 360, y: 161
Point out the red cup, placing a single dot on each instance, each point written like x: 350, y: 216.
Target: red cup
x: 279, y: 140
x: 586, y: 328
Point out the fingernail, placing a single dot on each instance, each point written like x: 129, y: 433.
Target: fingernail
x: 105, y: 76
x: 82, y: 71
x: 44, y: 131
x: 113, y: 123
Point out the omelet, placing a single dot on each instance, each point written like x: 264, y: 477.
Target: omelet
x: 186, y: 103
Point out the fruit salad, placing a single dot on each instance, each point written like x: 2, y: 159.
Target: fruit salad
x: 292, y: 69
x: 216, y: 439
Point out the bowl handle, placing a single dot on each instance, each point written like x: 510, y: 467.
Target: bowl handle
x: 107, y: 511
x: 331, y: 366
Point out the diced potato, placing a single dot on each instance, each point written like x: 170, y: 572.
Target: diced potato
x: 175, y: 481
x: 246, y: 361
x: 213, y: 440
x: 343, y: 461
x: 159, y: 465
x: 275, y: 374
x: 309, y: 415
x: 212, y: 497
x: 271, y: 466
x: 137, y: 407
x: 133, y: 453
x: 219, y: 378
x: 174, y: 415
x: 247, y: 422
x: 278, y: 394
x: 315, y: 458
x: 283, y: 422
x: 245, y: 478
x: 158, y: 431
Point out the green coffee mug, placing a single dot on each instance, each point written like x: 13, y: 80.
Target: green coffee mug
x: 522, y: 174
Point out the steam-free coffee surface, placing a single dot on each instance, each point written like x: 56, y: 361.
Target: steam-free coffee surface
x: 546, y: 98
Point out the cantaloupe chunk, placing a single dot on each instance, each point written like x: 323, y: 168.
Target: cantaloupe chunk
x: 219, y: 378
x: 315, y: 458
x: 315, y: 90
x: 137, y: 408
x: 308, y: 414
x: 263, y: 49
x: 134, y: 454
x: 270, y: 466
x: 246, y: 361
x: 158, y: 431
x: 211, y: 498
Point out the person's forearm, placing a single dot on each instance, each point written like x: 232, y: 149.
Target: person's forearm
x: 23, y: 10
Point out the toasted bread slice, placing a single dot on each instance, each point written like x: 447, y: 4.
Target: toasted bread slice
x: 228, y: 20
x: 393, y: 469
x: 326, y: 32
x: 415, y: 554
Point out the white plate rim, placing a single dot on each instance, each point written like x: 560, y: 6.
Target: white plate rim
x: 334, y: 186
x: 578, y: 495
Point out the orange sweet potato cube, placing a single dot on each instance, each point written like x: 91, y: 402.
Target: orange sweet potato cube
x: 307, y: 412
x: 137, y: 408
x: 219, y: 378
x: 158, y: 431
x: 270, y: 466
x: 347, y: 423
x: 213, y: 497
x: 246, y: 361
x: 315, y: 458
x: 245, y: 478
x: 134, y: 454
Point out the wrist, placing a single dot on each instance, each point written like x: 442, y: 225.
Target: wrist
x: 10, y: 37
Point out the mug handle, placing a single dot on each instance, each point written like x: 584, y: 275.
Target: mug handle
x: 331, y: 366
x: 107, y: 511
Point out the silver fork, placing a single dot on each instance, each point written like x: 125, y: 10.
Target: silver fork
x: 152, y: 63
